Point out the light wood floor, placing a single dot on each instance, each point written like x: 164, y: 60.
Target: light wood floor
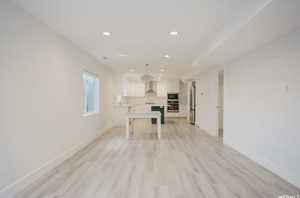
x: 185, y: 163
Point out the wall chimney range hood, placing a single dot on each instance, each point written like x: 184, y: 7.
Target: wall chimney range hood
x: 149, y: 83
x: 150, y: 92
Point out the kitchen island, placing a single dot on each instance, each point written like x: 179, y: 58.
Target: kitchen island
x: 130, y: 117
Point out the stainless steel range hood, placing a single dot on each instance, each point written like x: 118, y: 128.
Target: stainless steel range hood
x: 150, y: 89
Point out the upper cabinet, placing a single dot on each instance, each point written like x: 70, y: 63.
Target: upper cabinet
x: 173, y: 86
x: 165, y: 86
x: 136, y: 87
x: 162, y: 88
x: 133, y: 88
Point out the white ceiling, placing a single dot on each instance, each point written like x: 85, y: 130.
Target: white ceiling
x: 140, y: 28
x: 276, y: 19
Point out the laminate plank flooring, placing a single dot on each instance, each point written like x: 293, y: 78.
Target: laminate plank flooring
x: 185, y: 163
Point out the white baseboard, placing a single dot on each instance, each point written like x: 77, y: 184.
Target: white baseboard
x: 216, y: 134
x: 271, y: 166
x: 17, y: 186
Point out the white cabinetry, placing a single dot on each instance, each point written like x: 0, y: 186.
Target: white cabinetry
x: 134, y: 88
x: 162, y: 88
x: 173, y: 86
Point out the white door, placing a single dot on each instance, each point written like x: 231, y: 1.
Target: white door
x: 207, y: 102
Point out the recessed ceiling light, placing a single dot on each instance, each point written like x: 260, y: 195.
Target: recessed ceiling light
x: 173, y: 33
x: 106, y: 33
x: 123, y: 55
x: 162, y: 70
x: 166, y: 56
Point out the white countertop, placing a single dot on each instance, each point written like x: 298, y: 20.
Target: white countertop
x: 144, y: 114
x: 143, y: 104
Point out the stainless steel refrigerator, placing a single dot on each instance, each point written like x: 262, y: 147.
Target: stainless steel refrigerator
x: 193, y: 103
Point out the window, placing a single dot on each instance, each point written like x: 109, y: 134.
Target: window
x: 91, y: 93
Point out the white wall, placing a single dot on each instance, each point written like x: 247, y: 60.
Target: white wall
x: 262, y: 106
x: 41, y: 94
x: 207, y: 101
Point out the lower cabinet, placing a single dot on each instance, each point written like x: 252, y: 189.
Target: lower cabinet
x: 161, y: 109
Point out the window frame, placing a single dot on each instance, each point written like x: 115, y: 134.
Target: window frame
x: 97, y: 94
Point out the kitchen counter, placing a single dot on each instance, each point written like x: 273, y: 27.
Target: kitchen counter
x: 130, y: 117
x: 140, y: 107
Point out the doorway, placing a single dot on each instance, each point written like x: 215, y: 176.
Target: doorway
x: 221, y: 103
